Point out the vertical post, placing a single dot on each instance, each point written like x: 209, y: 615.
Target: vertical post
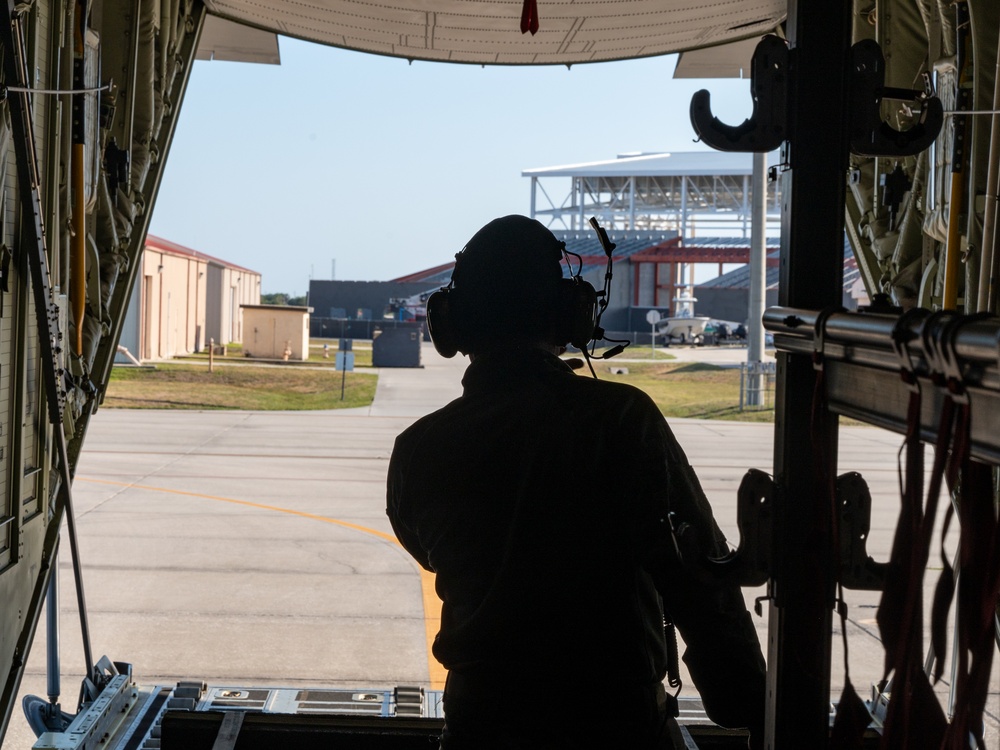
x: 631, y: 203
x: 743, y: 381
x: 758, y: 279
x: 746, y: 199
x: 812, y: 257
x: 684, y: 207
x: 211, y: 355
x: 52, y: 666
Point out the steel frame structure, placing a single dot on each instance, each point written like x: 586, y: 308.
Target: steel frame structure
x: 683, y: 203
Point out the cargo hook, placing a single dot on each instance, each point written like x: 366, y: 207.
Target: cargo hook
x: 766, y: 127
x: 870, y: 134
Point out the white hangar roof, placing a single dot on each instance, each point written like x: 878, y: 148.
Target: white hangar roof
x: 658, y: 165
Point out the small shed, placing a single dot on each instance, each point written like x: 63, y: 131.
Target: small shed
x: 276, y: 331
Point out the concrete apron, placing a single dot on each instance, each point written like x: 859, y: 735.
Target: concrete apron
x: 252, y: 548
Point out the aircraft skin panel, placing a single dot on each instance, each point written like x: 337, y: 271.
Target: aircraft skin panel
x: 147, y: 49
x: 7, y: 453
x: 150, y: 48
x: 483, y: 32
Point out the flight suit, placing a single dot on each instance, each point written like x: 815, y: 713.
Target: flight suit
x: 540, y: 500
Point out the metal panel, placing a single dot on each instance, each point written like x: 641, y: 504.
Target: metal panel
x: 8, y: 457
x: 234, y: 42
x: 489, y: 32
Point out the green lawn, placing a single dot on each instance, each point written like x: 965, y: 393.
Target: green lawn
x: 234, y: 353
x: 680, y: 389
x: 243, y: 386
x: 686, y: 389
x: 642, y: 352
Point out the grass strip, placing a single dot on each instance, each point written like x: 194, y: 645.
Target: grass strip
x: 687, y: 389
x: 245, y: 387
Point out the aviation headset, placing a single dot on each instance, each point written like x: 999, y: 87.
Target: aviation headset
x: 572, y: 302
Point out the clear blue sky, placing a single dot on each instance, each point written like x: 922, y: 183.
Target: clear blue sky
x: 389, y: 167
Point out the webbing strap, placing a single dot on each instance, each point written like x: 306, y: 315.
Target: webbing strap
x: 978, y: 576
x: 852, y: 715
x: 229, y: 730
x: 914, y: 717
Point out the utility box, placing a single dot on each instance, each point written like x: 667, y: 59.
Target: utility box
x: 276, y: 332
x: 397, y: 347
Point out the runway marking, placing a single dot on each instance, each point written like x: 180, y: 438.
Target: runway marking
x: 432, y: 605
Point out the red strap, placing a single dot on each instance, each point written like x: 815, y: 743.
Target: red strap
x: 853, y: 716
x: 529, y: 17
x: 914, y: 717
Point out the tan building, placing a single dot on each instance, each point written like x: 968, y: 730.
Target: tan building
x: 182, y: 299
x: 276, y: 331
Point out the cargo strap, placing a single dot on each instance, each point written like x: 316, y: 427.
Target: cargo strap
x: 978, y: 575
x: 852, y: 715
x: 914, y: 716
x: 229, y: 730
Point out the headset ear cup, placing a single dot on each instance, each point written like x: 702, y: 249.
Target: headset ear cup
x: 577, y: 312
x: 441, y: 324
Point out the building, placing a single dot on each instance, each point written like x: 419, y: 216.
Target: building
x: 276, y: 331
x: 182, y: 299
x: 696, y: 193
x: 676, y: 219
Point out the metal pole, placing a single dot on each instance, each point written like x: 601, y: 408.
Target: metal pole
x: 987, y: 267
x: 743, y: 379
x: 758, y: 278
x: 684, y: 207
x: 812, y: 251
x: 631, y: 203
x: 52, y: 668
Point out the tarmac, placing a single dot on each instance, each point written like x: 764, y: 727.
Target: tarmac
x: 252, y: 548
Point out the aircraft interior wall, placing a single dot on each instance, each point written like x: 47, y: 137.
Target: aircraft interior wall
x: 79, y: 174
x: 87, y: 165
x: 900, y: 207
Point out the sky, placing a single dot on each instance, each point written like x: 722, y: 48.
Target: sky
x: 340, y: 164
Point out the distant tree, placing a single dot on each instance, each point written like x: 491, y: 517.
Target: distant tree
x: 280, y: 298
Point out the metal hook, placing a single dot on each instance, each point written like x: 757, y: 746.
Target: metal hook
x: 870, y: 134
x: 931, y: 329
x: 901, y: 338
x: 766, y: 127
x: 750, y: 563
x: 954, y: 376
x: 854, y: 503
x: 819, y: 334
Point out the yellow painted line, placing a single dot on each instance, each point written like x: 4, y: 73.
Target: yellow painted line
x: 432, y: 624
x: 432, y: 605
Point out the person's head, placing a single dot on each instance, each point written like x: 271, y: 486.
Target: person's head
x: 507, y: 289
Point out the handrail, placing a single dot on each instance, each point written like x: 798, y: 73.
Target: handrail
x: 864, y: 379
